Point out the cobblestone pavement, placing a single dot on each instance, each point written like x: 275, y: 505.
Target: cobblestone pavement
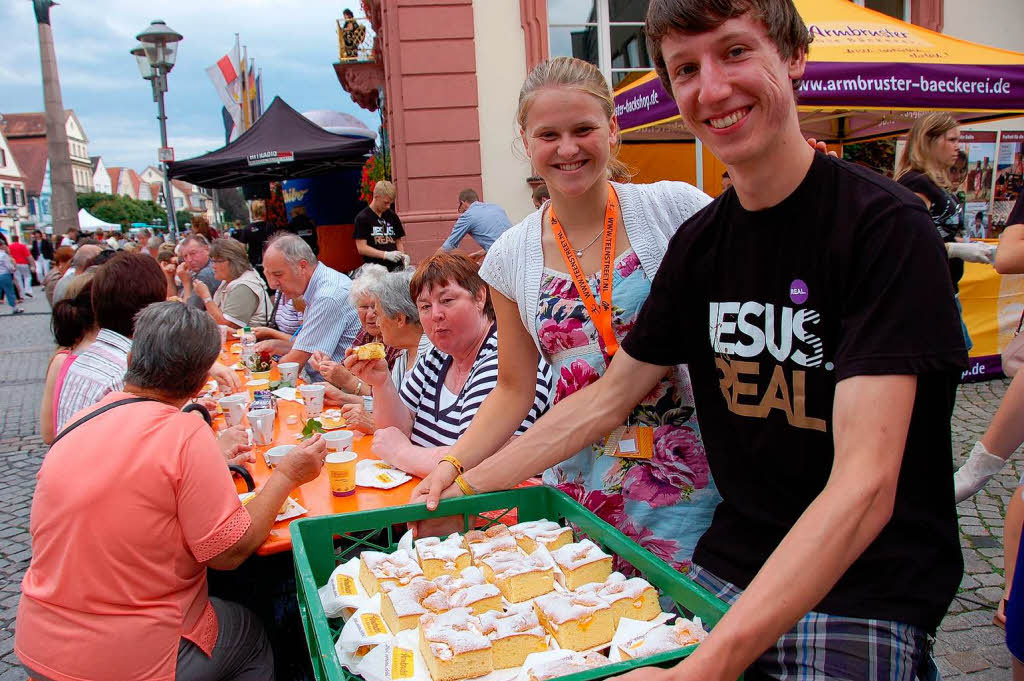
x: 968, y: 646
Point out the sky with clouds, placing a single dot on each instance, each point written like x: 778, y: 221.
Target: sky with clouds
x: 294, y: 41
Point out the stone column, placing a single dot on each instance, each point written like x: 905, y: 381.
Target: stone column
x: 63, y: 204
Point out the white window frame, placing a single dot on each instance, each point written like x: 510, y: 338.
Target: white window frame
x: 906, y: 9
x: 604, y: 25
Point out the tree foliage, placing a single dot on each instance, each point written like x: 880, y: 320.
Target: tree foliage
x: 879, y: 155
x: 122, y: 210
x: 232, y: 203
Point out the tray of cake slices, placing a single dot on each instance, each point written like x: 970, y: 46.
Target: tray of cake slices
x: 530, y: 601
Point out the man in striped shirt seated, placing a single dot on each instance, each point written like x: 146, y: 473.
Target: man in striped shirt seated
x: 330, y: 323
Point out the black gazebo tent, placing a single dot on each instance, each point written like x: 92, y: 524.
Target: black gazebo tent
x: 281, y: 144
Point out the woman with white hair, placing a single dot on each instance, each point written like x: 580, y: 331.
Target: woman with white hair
x: 242, y: 298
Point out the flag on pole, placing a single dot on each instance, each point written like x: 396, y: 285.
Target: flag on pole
x: 251, y: 90
x: 227, y: 83
x: 259, y: 93
x: 229, y: 124
x: 246, y: 120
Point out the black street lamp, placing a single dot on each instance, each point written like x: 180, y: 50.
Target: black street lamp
x: 155, y: 55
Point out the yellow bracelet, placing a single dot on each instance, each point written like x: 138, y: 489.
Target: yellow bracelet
x: 455, y: 462
x: 466, y: 488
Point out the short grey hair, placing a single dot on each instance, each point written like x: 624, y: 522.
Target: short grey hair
x: 233, y: 253
x: 393, y: 296
x: 154, y: 242
x: 197, y: 238
x: 173, y: 348
x: 83, y: 256
x: 363, y: 280
x: 292, y: 247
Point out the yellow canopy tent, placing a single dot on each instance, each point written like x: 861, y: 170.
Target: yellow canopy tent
x: 868, y: 75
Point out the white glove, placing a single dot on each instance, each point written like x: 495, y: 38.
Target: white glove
x: 405, y: 259
x: 972, y: 251
x: 979, y: 468
x: 394, y: 256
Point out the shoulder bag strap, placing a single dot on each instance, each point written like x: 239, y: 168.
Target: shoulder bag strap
x: 90, y: 415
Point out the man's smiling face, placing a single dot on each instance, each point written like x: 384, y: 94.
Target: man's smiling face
x: 733, y: 89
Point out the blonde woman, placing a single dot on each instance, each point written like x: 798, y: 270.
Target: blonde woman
x: 932, y: 148
x: 662, y: 496
x: 242, y: 298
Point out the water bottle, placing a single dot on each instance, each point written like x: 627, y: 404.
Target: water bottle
x: 248, y: 348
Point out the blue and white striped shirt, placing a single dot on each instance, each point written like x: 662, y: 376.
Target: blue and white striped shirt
x: 329, y: 323
x: 436, y: 425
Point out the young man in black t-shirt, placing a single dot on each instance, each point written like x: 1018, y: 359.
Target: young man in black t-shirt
x: 813, y: 306
x: 378, y: 232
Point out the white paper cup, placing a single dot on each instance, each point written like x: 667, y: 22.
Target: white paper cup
x: 275, y: 455
x: 368, y: 403
x: 223, y: 333
x: 289, y: 372
x: 233, y: 407
x: 262, y: 423
x: 338, y: 440
x: 313, y: 398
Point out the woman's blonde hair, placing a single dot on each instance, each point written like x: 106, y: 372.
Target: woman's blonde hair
x: 233, y: 253
x: 569, y: 72
x: 919, y: 152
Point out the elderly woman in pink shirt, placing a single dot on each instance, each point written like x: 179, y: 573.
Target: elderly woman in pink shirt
x: 133, y: 503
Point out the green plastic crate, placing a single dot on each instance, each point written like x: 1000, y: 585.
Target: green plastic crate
x: 321, y: 544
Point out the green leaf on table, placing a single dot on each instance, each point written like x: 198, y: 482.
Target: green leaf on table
x: 312, y: 426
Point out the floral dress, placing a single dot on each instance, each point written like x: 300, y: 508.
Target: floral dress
x: 664, y: 503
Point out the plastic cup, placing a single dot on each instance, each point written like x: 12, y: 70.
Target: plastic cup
x: 341, y: 471
x: 368, y: 403
x: 289, y: 372
x: 233, y: 407
x: 255, y: 384
x: 262, y: 423
x: 223, y: 333
x: 338, y: 440
x: 313, y: 399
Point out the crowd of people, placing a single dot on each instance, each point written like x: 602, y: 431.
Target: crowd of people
x: 757, y: 388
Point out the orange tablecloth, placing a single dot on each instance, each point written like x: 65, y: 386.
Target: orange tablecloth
x: 316, y: 495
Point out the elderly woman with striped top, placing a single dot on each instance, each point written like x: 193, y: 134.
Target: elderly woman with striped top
x: 438, y: 398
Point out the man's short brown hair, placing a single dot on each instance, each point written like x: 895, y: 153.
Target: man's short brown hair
x: 785, y: 27
x: 122, y: 287
x: 450, y: 267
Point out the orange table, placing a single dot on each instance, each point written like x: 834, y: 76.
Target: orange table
x: 315, y: 495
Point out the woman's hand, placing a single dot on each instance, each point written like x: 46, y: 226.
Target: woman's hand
x: 430, y: 488
x: 337, y: 396
x: 315, y: 360
x: 439, y: 527
x: 234, y: 445
x: 391, y: 446
x: 273, y: 346
x: 303, y: 463
x: 227, y: 380
x: 338, y: 375
x: 357, y: 417
x: 373, y: 372
x: 200, y: 288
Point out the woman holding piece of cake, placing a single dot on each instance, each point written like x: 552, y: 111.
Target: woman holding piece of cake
x: 418, y: 422
x: 567, y: 283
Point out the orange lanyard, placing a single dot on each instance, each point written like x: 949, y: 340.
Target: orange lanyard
x: 600, y: 313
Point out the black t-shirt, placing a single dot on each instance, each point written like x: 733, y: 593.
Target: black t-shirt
x: 844, y: 277
x: 380, y: 231
x: 1016, y: 216
x: 946, y: 211
x: 254, y: 236
x: 305, y: 228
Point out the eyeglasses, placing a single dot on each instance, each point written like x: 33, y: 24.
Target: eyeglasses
x: 218, y: 261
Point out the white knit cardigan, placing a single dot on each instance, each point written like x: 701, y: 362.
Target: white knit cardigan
x: 651, y: 214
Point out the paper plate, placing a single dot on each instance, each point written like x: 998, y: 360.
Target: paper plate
x: 376, y: 473
x: 292, y: 508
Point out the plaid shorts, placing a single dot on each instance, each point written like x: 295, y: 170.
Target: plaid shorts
x: 831, y: 648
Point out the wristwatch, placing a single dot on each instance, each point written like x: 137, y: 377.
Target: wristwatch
x: 207, y: 300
